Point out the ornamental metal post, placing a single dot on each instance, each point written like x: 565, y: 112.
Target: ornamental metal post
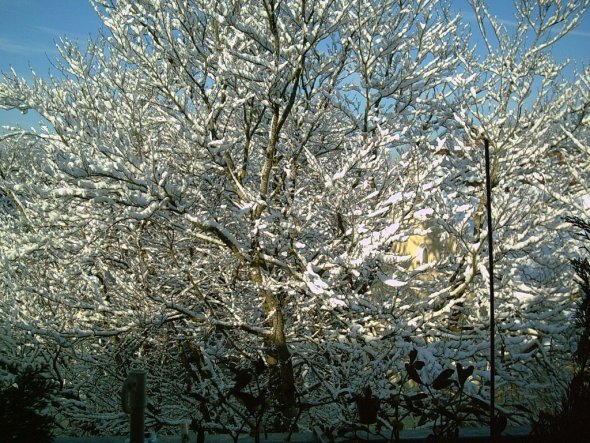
x: 133, y: 401
x: 493, y: 430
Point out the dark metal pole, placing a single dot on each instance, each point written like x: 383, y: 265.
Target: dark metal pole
x: 493, y: 431
x: 133, y: 400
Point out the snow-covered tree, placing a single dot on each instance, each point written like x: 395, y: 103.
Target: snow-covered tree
x: 215, y: 198
x: 219, y: 199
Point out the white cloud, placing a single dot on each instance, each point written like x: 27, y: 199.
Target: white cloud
x: 59, y: 33
x: 7, y: 45
x: 580, y: 33
x: 51, y: 31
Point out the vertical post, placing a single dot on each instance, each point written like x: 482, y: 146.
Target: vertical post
x: 493, y: 431
x: 133, y: 400
x: 184, y: 438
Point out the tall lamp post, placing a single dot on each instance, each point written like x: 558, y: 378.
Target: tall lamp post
x: 493, y: 431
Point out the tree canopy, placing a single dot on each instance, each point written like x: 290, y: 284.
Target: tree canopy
x: 225, y: 192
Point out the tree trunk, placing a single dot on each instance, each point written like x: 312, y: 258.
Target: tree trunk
x: 281, y: 389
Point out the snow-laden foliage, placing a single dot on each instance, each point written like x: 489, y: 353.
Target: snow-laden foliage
x: 225, y: 193
x: 515, y: 98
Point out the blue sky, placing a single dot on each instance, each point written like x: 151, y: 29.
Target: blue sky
x: 30, y: 29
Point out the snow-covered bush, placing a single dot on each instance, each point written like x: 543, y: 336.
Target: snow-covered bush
x: 25, y: 394
x: 571, y: 420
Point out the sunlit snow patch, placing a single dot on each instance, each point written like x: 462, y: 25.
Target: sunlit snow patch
x: 393, y: 282
x: 423, y: 214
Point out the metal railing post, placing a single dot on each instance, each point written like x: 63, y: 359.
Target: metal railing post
x: 493, y: 430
